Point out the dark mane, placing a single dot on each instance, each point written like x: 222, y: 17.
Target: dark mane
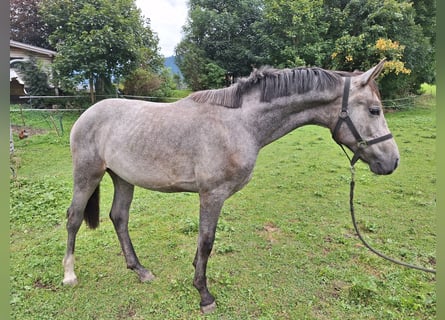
x: 273, y: 83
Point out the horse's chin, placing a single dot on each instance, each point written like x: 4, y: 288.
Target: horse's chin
x: 381, y: 168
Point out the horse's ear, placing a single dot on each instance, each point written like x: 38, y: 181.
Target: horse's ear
x: 372, y: 73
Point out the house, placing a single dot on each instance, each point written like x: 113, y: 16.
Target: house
x: 20, y: 51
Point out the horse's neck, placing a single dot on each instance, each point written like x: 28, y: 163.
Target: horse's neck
x: 279, y: 117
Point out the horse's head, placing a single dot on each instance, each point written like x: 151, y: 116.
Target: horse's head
x: 361, y: 125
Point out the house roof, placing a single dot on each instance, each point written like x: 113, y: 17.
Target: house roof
x: 28, y: 47
x: 14, y: 75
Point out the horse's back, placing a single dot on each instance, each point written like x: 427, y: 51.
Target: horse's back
x: 117, y: 118
x: 110, y: 110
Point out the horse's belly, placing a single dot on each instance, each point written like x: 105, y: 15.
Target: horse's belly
x: 156, y: 178
x: 169, y: 186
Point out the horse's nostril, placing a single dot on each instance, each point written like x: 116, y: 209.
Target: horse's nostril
x: 396, y: 164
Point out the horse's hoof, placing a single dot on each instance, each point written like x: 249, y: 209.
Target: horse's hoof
x: 147, y: 277
x: 70, y: 281
x: 208, y: 308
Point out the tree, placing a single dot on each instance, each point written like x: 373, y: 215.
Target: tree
x: 199, y: 72
x: 426, y: 18
x: 293, y: 32
x: 333, y: 34
x: 36, y: 79
x: 99, y: 41
x: 220, y: 36
x: 26, y: 24
x: 141, y: 82
x: 189, y: 58
x: 422, y: 46
x: 357, y: 26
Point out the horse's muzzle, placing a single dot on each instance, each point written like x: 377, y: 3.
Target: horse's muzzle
x: 382, y: 169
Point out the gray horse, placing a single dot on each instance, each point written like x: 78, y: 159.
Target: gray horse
x: 208, y: 143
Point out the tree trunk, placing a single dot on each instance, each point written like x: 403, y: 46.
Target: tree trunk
x: 92, y: 89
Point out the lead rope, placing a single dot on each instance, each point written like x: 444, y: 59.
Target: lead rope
x: 354, y: 222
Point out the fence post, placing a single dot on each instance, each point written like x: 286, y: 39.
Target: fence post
x: 11, y: 140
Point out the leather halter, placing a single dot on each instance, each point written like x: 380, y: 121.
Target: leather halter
x: 344, y: 117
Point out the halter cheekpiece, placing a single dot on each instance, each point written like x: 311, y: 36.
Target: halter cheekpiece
x: 344, y: 117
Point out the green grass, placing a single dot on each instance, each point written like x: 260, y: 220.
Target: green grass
x: 428, y: 89
x: 285, y: 246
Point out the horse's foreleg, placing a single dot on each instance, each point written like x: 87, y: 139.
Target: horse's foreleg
x: 210, y: 208
x: 123, y: 195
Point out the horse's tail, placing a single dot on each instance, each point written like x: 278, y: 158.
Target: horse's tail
x: 91, y: 214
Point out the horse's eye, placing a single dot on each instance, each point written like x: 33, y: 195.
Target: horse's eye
x: 375, y: 111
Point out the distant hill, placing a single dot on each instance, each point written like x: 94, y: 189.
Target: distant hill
x: 169, y: 62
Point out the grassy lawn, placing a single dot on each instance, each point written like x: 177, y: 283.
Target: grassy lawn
x: 285, y: 246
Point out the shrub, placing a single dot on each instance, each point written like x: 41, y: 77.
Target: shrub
x: 141, y: 82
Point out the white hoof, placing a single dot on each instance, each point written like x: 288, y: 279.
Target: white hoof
x: 69, y: 277
x: 70, y: 281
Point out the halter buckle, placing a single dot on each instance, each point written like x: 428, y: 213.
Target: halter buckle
x: 362, y: 144
x: 343, y: 114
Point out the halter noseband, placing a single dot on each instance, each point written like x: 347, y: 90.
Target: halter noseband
x: 344, y: 117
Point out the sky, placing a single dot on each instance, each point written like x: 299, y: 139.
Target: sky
x: 166, y: 19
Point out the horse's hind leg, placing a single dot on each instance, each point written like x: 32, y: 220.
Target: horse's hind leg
x: 123, y: 195
x: 85, y: 192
